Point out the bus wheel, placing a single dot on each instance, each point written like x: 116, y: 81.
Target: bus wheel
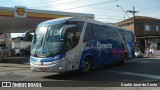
x: 124, y: 61
x: 86, y: 66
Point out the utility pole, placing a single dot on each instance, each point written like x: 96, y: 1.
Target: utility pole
x: 134, y: 19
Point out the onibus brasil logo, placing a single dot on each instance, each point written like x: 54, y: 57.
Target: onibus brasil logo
x: 21, y: 84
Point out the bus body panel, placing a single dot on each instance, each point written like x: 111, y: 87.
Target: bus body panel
x: 103, y: 52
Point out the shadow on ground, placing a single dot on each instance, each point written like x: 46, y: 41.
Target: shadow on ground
x: 15, y: 60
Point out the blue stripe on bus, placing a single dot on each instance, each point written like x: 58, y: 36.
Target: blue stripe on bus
x: 48, y: 59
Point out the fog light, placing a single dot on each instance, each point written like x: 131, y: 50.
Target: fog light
x: 60, y: 67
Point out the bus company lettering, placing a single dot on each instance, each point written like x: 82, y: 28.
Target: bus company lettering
x: 103, y: 46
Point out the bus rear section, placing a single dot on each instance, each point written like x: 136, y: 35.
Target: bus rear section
x: 104, y: 44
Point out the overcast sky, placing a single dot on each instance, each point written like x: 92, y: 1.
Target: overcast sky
x: 104, y: 10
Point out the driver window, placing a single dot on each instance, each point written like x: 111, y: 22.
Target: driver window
x: 72, y: 37
x: 70, y: 40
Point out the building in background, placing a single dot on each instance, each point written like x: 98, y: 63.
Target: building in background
x: 5, y: 42
x: 19, y: 43
x: 2, y: 43
x: 20, y: 19
x: 147, y: 31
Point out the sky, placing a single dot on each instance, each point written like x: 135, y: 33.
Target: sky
x: 104, y: 10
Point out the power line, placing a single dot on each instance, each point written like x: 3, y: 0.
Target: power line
x: 43, y: 2
x: 104, y: 16
x: 123, y: 10
x: 91, y: 5
x: 105, y: 9
x: 109, y: 18
x: 64, y: 3
x: 155, y: 0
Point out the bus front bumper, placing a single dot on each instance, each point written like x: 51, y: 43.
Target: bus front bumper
x: 55, y: 66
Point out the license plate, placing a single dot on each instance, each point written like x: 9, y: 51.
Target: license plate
x: 42, y: 69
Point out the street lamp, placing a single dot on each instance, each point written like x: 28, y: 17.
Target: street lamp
x: 123, y: 10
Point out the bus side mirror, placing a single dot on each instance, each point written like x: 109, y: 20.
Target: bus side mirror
x: 27, y: 34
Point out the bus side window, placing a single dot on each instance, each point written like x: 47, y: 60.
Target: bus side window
x: 95, y: 31
x: 72, y: 37
x: 70, y: 40
x: 88, y: 33
x: 77, y: 37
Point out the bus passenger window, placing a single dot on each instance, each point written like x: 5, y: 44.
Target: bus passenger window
x: 88, y: 33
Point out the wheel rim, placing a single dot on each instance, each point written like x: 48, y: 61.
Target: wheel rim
x: 86, y: 66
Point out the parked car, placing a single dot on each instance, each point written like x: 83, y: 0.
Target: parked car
x: 139, y: 54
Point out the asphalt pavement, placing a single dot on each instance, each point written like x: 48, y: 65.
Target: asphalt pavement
x: 137, y: 71
x: 15, y: 60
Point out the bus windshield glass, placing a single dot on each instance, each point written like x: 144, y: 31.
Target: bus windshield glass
x: 38, y: 40
x: 47, y: 40
x: 53, y: 43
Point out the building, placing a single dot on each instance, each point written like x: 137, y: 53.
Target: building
x: 147, y: 31
x: 18, y: 44
x: 5, y: 42
x: 19, y: 19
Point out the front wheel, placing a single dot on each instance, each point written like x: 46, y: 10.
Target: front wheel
x: 86, y: 66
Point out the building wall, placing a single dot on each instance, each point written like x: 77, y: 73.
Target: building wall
x: 128, y: 26
x: 139, y: 29
x: 154, y: 28
x: 20, y: 45
x: 5, y: 43
x: 146, y: 36
x: 1, y: 37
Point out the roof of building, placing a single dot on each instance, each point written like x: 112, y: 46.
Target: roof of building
x: 34, y: 13
x: 17, y: 39
x: 141, y: 18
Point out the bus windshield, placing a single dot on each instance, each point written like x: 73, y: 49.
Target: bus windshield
x: 47, y: 40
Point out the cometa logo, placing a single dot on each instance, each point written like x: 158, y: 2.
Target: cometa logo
x: 20, y: 11
x: 104, y: 46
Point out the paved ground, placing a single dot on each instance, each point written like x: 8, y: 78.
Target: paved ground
x: 140, y: 70
x: 15, y: 60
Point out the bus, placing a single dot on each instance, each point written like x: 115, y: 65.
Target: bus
x: 70, y: 43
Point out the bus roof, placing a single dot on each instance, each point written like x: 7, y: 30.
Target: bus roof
x: 63, y: 20
x: 54, y: 21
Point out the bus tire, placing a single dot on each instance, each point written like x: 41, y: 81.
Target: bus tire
x: 124, y: 61
x: 86, y: 66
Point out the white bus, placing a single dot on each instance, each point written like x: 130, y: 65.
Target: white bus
x: 67, y: 44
